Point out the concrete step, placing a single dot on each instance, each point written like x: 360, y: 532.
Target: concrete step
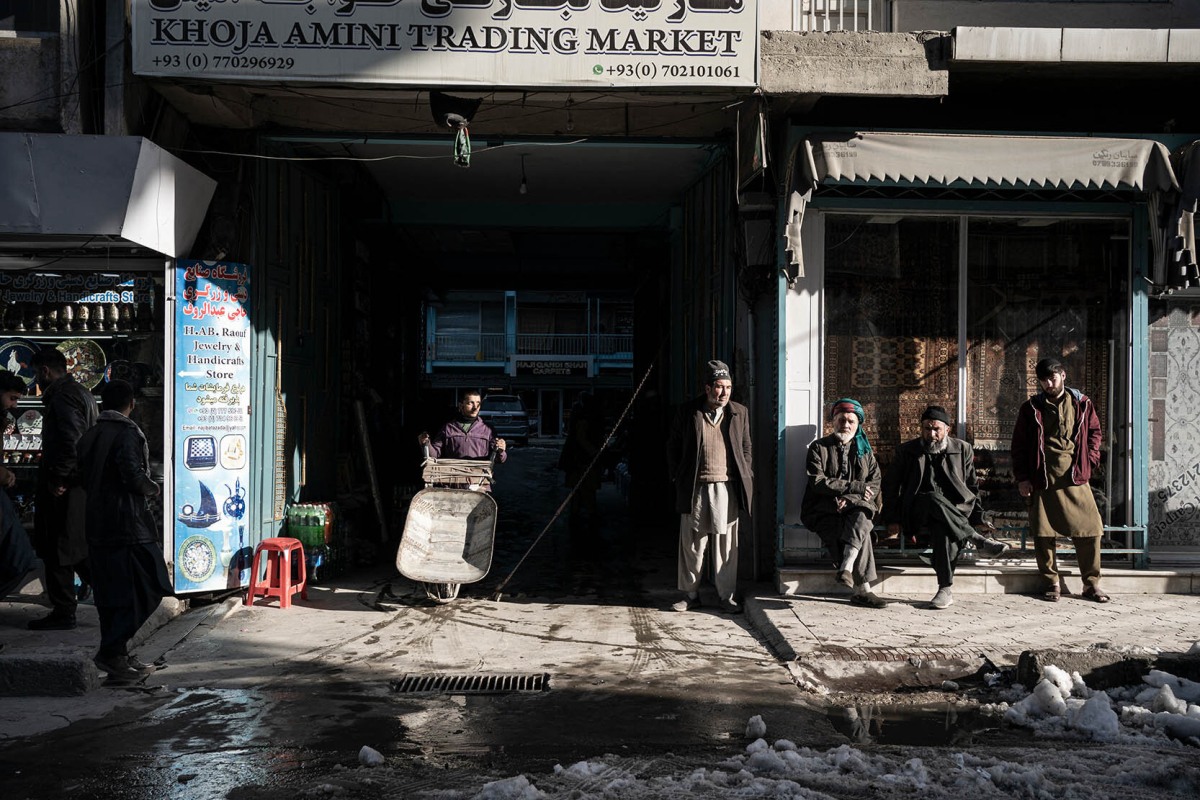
x: 1010, y: 576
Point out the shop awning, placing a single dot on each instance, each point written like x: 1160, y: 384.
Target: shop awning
x: 123, y: 186
x: 1038, y: 162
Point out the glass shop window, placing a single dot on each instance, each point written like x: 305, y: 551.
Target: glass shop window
x: 891, y: 311
x: 1035, y: 287
x: 1041, y: 287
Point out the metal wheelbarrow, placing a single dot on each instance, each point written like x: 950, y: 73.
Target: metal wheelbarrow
x: 450, y: 528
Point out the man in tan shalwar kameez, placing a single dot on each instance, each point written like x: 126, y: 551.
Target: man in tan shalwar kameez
x: 1055, y: 447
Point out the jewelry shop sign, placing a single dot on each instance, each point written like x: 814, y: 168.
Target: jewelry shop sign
x: 212, y: 425
x: 517, y: 43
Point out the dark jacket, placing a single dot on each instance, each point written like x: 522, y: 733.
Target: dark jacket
x: 904, y: 477
x: 683, y: 451
x: 822, y: 492
x: 1029, y: 441
x: 58, y: 529
x: 452, y: 442
x: 114, y: 469
x: 70, y: 410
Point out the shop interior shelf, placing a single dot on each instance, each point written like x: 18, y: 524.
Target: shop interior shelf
x: 42, y: 336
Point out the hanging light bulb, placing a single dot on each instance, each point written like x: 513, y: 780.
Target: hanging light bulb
x: 524, y: 187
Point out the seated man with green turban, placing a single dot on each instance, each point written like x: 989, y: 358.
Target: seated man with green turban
x: 842, y: 499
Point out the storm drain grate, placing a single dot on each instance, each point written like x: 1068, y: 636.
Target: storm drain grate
x: 473, y: 683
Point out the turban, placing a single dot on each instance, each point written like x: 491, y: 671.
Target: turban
x: 936, y: 413
x: 854, y: 407
x: 715, y: 371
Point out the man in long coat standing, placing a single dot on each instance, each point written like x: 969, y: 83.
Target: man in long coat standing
x: 1055, y: 447
x: 710, y: 459
x: 129, y: 575
x: 58, y: 534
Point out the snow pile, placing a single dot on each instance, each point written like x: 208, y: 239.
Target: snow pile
x: 582, y: 769
x: 515, y: 788
x: 370, y: 757
x: 1164, y: 707
x: 756, y: 728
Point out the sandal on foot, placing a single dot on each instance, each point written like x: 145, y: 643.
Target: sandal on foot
x: 1051, y: 595
x: 1094, y: 594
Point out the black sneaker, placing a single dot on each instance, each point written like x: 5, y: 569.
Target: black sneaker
x: 53, y: 622
x: 116, y: 667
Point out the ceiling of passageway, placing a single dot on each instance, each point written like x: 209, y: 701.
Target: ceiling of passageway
x: 565, y: 171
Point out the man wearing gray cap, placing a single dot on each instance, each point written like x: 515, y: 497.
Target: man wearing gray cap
x: 710, y: 460
x: 931, y: 488
x: 1055, y: 447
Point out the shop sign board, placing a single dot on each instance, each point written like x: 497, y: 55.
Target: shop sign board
x: 552, y: 366
x: 638, y: 44
x: 212, y: 425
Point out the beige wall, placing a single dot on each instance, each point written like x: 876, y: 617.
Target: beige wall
x: 944, y: 15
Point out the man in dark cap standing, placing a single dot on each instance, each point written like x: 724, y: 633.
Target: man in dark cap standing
x: 711, y: 462
x: 931, y: 488
x: 1055, y: 447
x: 842, y: 499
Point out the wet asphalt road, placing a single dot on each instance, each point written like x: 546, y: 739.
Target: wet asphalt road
x: 289, y: 728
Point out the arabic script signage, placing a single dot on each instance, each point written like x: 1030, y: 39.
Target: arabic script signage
x: 212, y: 425
x: 520, y: 43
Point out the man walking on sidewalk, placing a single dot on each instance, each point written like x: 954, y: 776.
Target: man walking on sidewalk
x: 931, y: 488
x: 710, y: 460
x: 1055, y: 447
x: 129, y: 576
x: 58, y: 533
x: 842, y: 498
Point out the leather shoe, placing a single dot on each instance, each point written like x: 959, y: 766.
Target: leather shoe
x: 53, y: 622
x: 868, y: 600
x: 116, y: 667
x: 135, y: 663
x: 844, y: 578
x: 730, y: 608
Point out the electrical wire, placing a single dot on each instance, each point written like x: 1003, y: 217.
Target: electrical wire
x: 405, y: 156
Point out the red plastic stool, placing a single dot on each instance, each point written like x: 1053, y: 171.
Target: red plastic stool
x: 278, y: 580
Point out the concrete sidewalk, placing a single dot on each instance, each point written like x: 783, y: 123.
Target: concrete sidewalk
x: 57, y: 663
x: 832, y: 643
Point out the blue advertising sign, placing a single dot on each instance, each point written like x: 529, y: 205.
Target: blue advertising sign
x: 212, y: 425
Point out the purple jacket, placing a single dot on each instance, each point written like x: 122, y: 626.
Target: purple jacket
x: 451, y: 442
x: 1029, y: 441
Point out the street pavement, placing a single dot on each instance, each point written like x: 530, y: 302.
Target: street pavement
x: 259, y: 702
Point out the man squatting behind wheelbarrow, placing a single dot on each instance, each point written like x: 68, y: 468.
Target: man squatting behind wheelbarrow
x: 465, y: 436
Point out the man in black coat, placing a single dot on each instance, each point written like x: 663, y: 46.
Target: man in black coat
x: 710, y: 459
x: 129, y: 576
x: 58, y: 535
x: 931, y: 488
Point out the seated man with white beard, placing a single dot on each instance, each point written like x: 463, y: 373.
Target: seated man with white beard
x: 931, y: 488
x: 842, y: 498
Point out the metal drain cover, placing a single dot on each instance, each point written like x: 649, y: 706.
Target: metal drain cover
x: 472, y: 683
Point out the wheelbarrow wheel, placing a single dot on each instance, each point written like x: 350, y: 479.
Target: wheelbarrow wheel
x: 442, y: 592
